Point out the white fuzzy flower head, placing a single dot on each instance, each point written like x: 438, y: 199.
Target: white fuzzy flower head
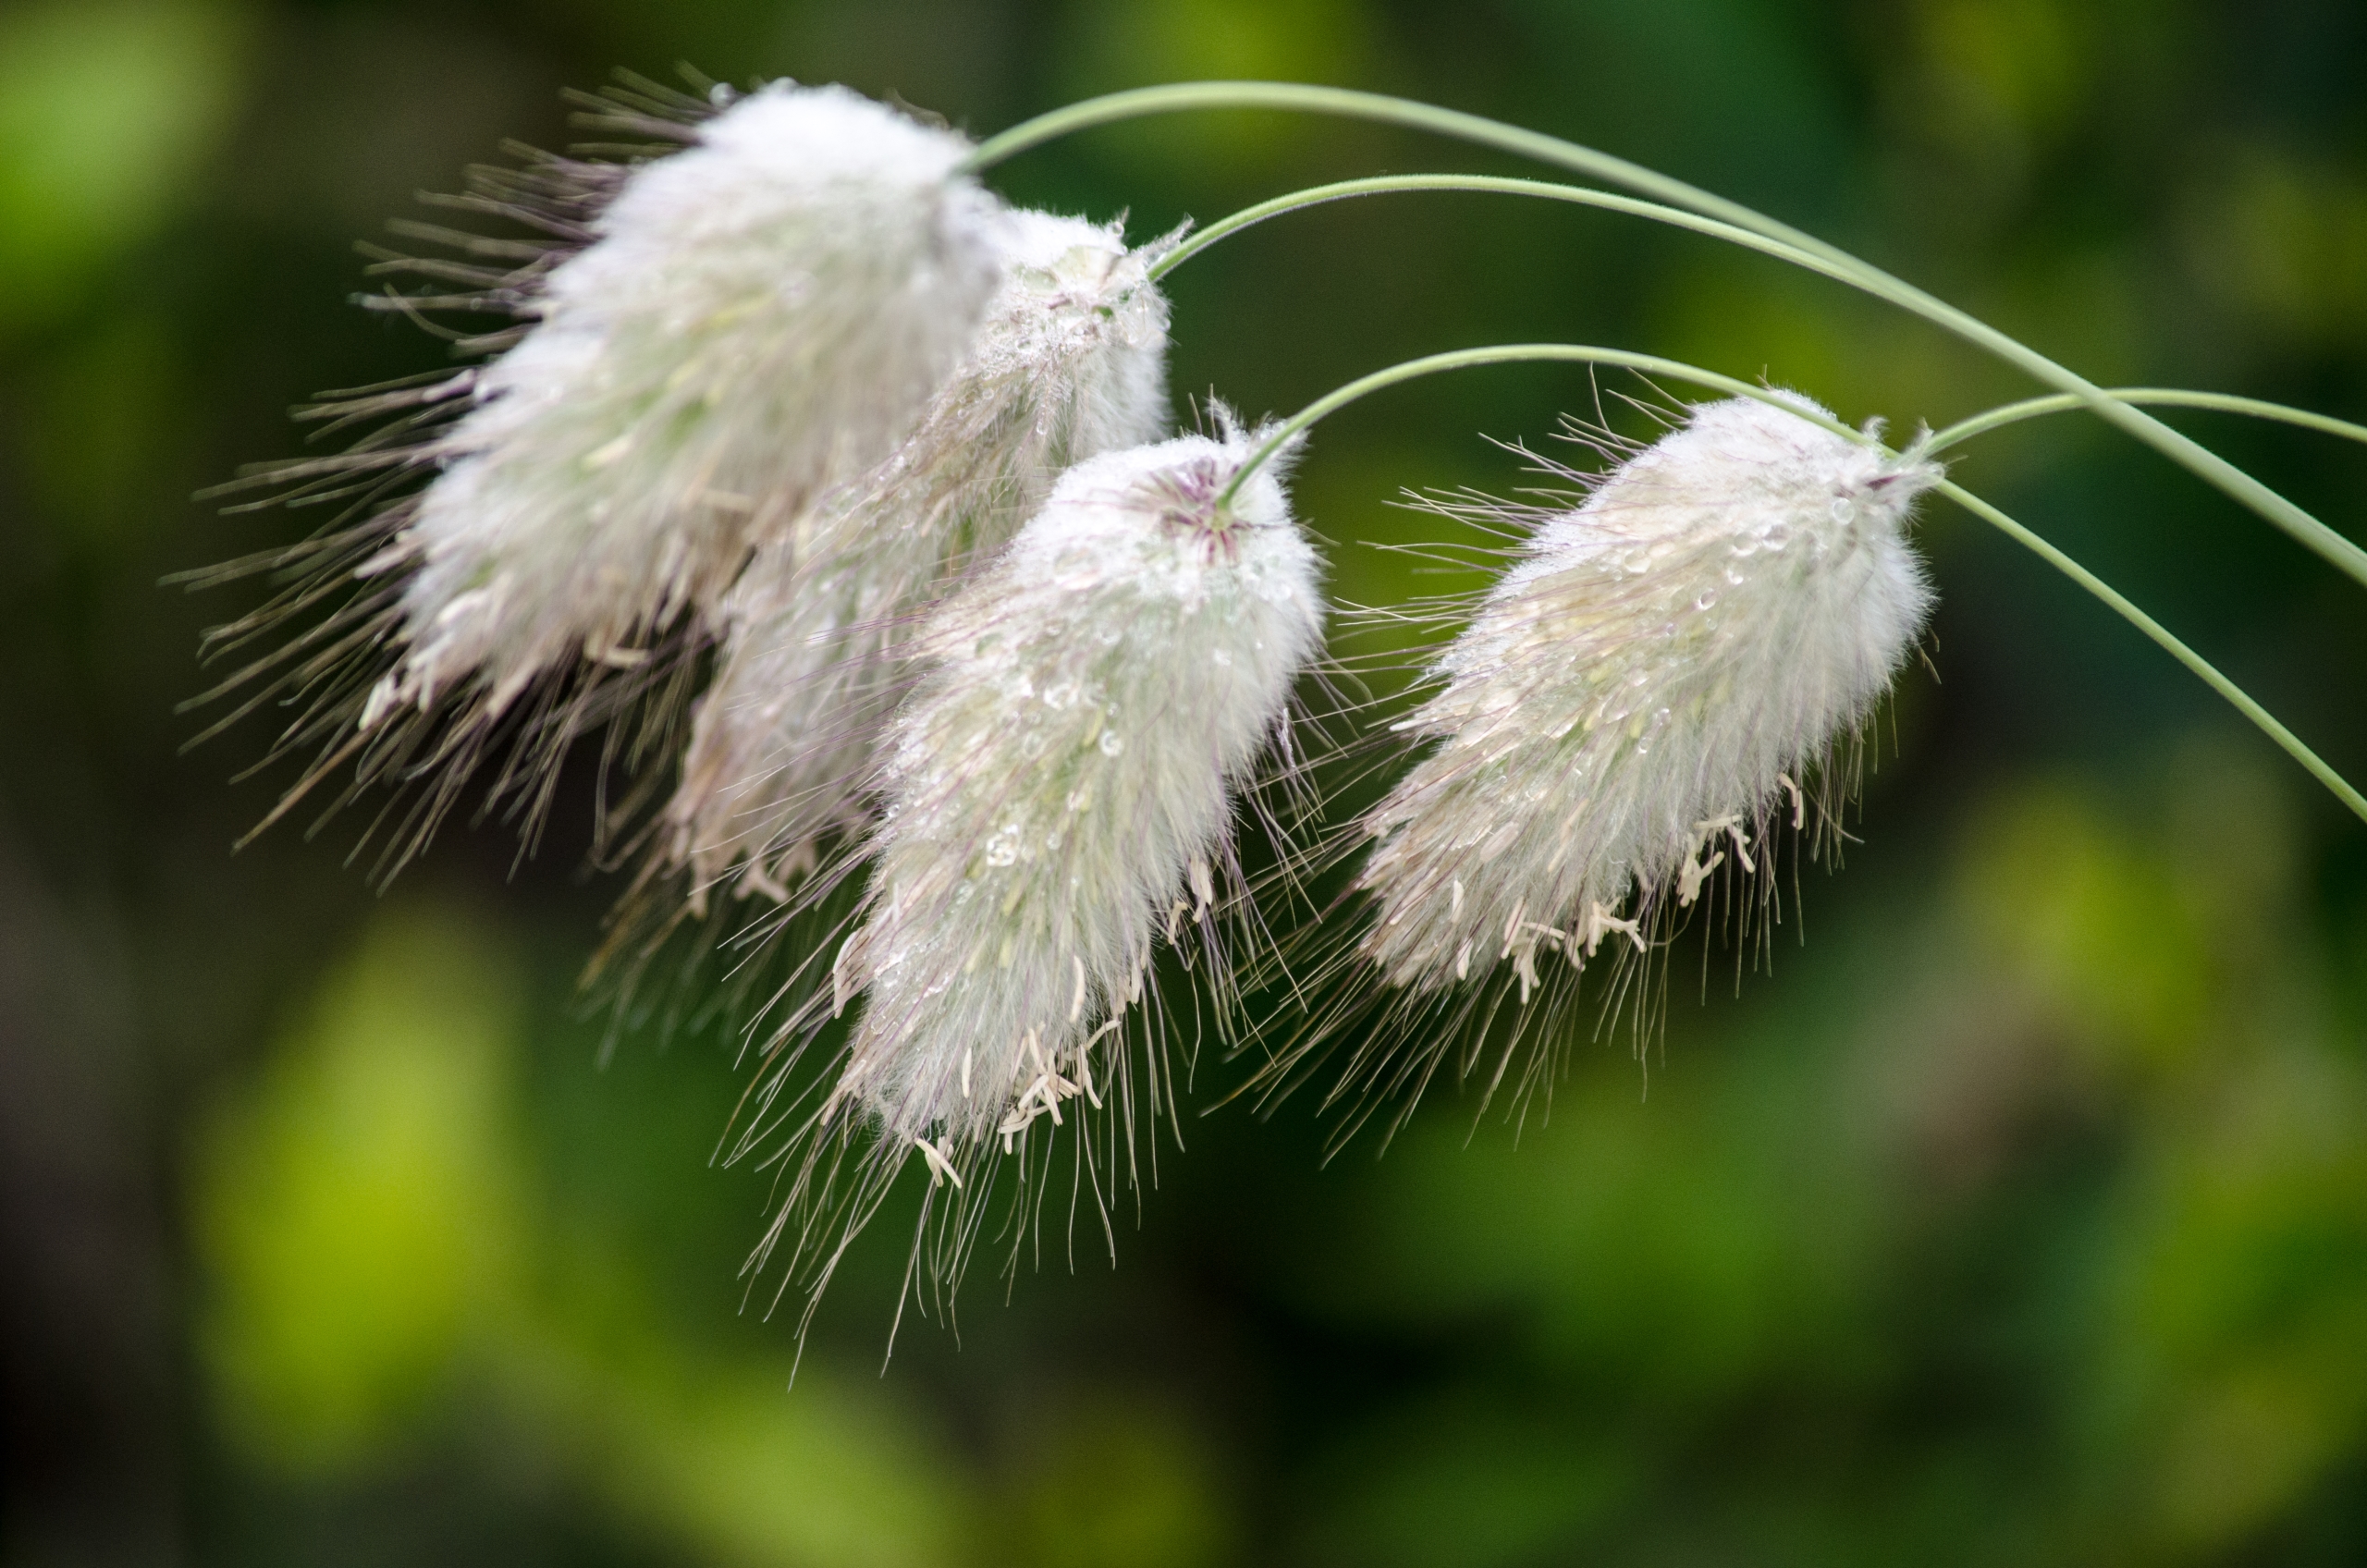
x: 758, y: 318
x: 1060, y: 783
x: 1640, y: 693
x: 1069, y: 362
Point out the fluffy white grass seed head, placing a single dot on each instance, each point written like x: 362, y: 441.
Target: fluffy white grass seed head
x: 1060, y: 784
x: 1642, y: 691
x: 1069, y: 362
x: 760, y: 317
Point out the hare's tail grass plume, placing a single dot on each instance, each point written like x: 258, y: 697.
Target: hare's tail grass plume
x: 1058, y: 795
x: 1634, y: 705
x: 705, y: 343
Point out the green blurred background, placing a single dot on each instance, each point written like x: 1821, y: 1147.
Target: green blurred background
x: 2018, y: 1217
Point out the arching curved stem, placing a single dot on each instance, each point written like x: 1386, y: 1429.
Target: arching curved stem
x: 1585, y: 196
x: 1506, y: 354
x: 2163, y: 396
x: 1676, y: 370
x: 1347, y: 104
x: 1577, y: 195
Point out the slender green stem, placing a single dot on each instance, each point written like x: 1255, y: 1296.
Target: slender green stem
x: 2222, y: 403
x: 2210, y: 675
x: 1579, y: 195
x: 1505, y: 354
x: 1652, y: 364
x: 1584, y: 196
x: 1344, y: 102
